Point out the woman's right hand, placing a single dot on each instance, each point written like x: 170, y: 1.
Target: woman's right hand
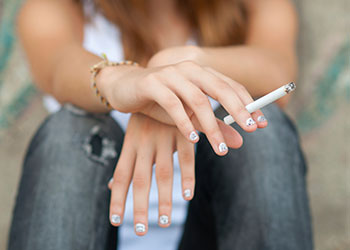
x: 177, y: 94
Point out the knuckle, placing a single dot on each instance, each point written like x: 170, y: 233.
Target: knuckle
x: 200, y: 100
x: 188, y: 64
x: 141, y: 211
x: 164, y: 173
x: 241, y: 109
x: 188, y: 180
x: 150, y: 81
x: 183, y: 123
x: 146, y: 130
x: 224, y: 87
x: 120, y: 181
x: 120, y: 178
x: 207, y: 68
x: 222, y: 91
x: 171, y: 102
x: 165, y: 205
x: 241, y: 90
x: 116, y: 205
x: 139, y: 182
x: 168, y: 69
x: 187, y: 157
x: 214, y: 132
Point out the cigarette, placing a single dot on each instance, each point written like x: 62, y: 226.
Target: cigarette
x: 265, y: 100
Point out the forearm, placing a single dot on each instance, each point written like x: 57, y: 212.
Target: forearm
x: 72, y: 79
x: 59, y: 64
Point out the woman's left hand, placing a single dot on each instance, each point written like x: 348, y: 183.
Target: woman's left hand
x: 146, y: 142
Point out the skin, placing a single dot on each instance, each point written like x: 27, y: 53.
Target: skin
x: 163, y: 114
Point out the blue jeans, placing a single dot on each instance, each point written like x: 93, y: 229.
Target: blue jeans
x: 253, y: 198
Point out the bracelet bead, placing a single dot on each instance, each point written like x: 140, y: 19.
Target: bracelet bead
x: 95, y: 69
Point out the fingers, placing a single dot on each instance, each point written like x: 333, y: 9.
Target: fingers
x: 173, y: 106
x: 164, y: 177
x: 186, y: 159
x: 120, y: 184
x: 245, y: 97
x: 187, y: 85
x: 198, y: 102
x: 141, y: 186
x: 223, y: 93
x: 232, y: 137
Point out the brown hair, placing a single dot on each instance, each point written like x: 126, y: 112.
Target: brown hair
x: 217, y: 23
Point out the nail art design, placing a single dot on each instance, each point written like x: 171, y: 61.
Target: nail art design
x: 261, y: 118
x: 140, y: 228
x: 187, y: 193
x: 115, y: 219
x: 223, y: 147
x: 250, y: 122
x: 193, y: 136
x: 163, y: 220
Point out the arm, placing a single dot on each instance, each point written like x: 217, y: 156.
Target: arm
x: 51, y: 33
x: 173, y: 93
x: 267, y: 59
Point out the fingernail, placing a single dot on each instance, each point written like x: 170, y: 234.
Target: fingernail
x: 140, y: 228
x: 222, y: 147
x: 261, y: 118
x: 193, y: 136
x: 163, y: 219
x: 115, y: 219
x: 250, y: 122
x: 110, y: 181
x: 187, y: 193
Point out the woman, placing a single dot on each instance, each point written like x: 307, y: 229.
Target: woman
x: 250, y: 197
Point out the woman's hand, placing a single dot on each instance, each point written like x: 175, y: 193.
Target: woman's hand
x: 146, y: 142
x: 179, y: 91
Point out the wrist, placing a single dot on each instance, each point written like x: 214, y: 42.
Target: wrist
x: 108, y: 79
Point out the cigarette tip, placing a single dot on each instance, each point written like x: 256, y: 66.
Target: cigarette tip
x: 290, y: 87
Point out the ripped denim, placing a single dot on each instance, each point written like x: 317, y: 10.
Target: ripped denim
x: 254, y: 198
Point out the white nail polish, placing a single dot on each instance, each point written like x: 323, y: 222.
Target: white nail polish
x: 110, y: 181
x: 250, y: 122
x: 223, y: 147
x: 261, y: 118
x: 187, y: 193
x: 193, y: 136
x: 140, y: 228
x: 115, y: 219
x: 163, y: 220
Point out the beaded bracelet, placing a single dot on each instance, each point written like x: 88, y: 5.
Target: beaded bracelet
x: 94, y: 70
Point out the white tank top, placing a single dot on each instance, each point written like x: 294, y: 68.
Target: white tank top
x: 101, y: 36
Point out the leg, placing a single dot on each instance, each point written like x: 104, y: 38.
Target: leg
x: 63, y: 199
x: 254, y: 197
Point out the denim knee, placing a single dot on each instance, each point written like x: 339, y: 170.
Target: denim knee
x: 268, y: 155
x: 98, y: 135
x: 260, y: 188
x: 64, y: 182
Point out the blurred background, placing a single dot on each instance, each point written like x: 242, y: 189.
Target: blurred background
x: 320, y: 108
